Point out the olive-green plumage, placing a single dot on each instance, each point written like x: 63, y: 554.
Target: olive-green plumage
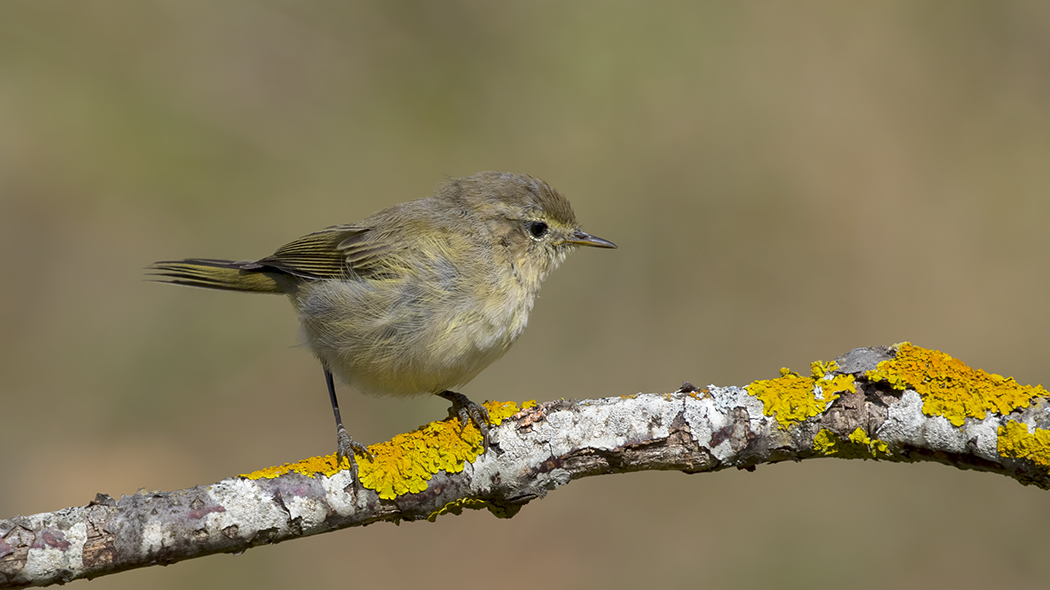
x: 419, y: 297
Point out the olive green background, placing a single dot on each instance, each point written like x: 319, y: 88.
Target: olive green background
x: 786, y: 181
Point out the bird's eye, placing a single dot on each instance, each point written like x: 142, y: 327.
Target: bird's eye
x: 537, y: 229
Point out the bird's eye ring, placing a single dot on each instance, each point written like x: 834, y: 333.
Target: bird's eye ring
x: 537, y: 229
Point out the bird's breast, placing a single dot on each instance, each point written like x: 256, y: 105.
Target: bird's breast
x: 412, y: 335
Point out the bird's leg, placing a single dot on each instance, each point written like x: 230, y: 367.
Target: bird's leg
x: 468, y: 410
x: 345, y: 446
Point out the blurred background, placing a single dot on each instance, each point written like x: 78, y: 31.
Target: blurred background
x: 786, y: 181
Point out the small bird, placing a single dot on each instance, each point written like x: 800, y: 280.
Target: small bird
x: 418, y: 298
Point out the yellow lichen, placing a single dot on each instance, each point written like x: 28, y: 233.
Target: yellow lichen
x: 793, y: 398
x: 858, y: 446
x: 951, y: 389
x: 308, y: 467
x: 820, y: 368
x: 407, y: 462
x: 858, y: 436
x: 456, y: 507
x: 825, y: 442
x: 1015, y: 442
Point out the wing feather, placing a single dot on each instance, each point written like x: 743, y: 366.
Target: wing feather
x: 316, y: 255
x: 335, y: 252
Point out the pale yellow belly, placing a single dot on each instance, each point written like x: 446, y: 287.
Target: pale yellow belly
x: 407, y: 341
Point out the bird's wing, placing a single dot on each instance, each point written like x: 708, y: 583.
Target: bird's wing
x: 371, y: 254
x: 333, y: 253
x: 316, y: 255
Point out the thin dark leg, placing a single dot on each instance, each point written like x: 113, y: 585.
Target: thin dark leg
x: 335, y: 402
x: 345, y: 446
x: 468, y: 410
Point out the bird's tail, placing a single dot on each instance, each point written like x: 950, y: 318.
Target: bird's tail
x: 223, y: 274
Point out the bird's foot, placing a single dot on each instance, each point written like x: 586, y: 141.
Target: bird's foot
x: 346, y: 447
x: 469, y: 411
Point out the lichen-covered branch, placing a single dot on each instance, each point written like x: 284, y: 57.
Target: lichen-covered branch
x: 891, y: 404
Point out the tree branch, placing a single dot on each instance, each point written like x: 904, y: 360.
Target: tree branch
x: 901, y: 404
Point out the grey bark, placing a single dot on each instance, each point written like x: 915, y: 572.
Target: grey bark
x: 536, y: 451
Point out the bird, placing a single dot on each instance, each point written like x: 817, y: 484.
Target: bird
x: 418, y: 298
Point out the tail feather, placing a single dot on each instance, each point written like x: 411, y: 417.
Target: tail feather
x: 223, y: 274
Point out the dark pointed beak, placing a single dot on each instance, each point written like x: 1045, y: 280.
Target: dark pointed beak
x: 582, y: 238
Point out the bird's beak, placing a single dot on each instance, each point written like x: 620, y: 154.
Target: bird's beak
x: 582, y: 238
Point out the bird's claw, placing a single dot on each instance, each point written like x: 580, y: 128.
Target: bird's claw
x: 469, y: 411
x: 346, y: 448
